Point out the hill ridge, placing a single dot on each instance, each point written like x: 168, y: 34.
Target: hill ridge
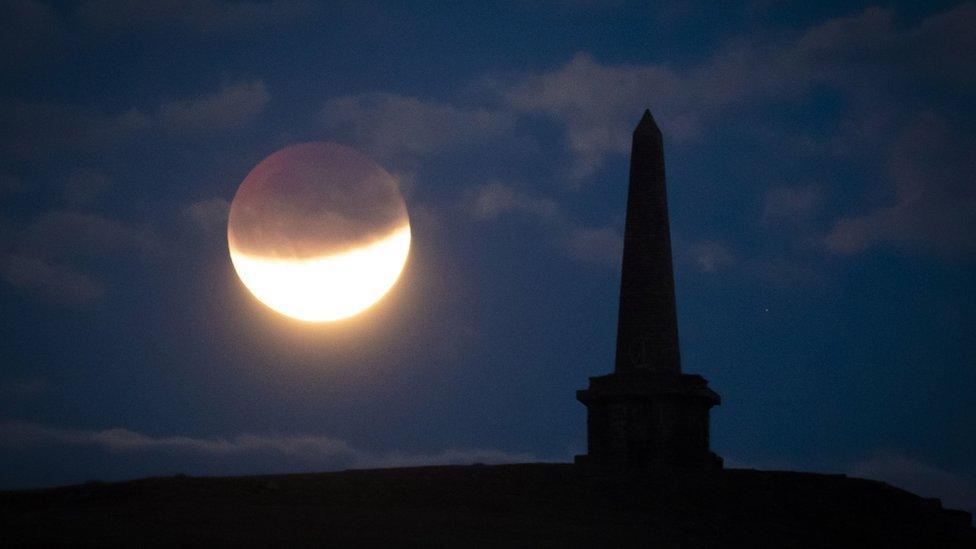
x: 485, y: 505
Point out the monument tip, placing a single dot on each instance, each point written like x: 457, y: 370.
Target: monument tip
x: 647, y: 123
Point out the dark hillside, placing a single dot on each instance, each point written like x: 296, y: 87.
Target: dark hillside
x: 524, y: 505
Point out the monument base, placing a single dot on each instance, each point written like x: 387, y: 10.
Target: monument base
x: 647, y: 420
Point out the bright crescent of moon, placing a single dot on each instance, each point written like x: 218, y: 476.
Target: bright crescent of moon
x: 329, y: 287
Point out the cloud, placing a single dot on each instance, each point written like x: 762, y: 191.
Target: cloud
x: 597, y: 104
x: 864, y: 56
x: 714, y: 257
x: 205, y: 16
x: 930, y: 168
x: 231, y: 108
x: 76, y: 234
x: 42, y: 256
x: 34, y: 129
x: 61, y: 284
x: 956, y: 491
x: 865, y: 51
x: 391, y: 126
x: 495, y: 199
x: 933, y: 171
x: 296, y: 452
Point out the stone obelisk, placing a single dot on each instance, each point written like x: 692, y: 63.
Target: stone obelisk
x: 647, y: 414
x: 647, y: 323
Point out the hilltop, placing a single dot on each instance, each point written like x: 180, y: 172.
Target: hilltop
x: 478, y: 505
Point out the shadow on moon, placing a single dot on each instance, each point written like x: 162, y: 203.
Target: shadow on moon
x: 318, y: 232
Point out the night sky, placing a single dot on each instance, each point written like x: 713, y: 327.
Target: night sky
x: 821, y: 162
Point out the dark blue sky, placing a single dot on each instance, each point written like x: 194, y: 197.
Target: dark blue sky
x: 821, y: 170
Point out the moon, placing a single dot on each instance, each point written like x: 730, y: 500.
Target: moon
x: 318, y: 232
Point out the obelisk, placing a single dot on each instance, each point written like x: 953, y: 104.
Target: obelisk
x: 647, y: 324
x: 647, y: 414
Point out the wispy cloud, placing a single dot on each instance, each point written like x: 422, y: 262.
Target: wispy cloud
x: 40, y: 128
x: 597, y: 104
x: 230, y: 108
x: 933, y: 170
x: 394, y: 127
x: 495, y: 199
x: 308, y: 451
x: 59, y: 283
x: 866, y: 58
x: 43, y: 256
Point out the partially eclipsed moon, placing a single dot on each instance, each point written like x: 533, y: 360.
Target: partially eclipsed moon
x: 318, y: 232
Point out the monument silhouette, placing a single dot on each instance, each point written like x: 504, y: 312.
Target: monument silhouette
x: 647, y: 413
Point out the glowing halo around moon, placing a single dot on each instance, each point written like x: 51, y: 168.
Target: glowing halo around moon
x: 318, y: 232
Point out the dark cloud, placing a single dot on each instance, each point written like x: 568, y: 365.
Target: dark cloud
x: 76, y: 234
x: 58, y: 283
x: 33, y: 129
x: 43, y: 257
x: 933, y: 209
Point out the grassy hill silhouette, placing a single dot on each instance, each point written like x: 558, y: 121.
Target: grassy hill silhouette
x: 479, y: 505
